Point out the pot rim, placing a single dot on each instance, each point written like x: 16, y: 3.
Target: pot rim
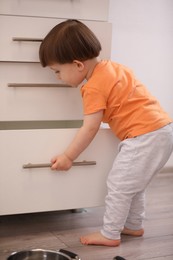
x: 62, y: 253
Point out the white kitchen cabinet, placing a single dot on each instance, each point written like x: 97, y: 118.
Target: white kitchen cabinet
x: 39, y: 115
x: 32, y: 190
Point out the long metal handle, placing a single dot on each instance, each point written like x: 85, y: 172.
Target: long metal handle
x: 24, y: 39
x: 48, y: 165
x: 35, y: 85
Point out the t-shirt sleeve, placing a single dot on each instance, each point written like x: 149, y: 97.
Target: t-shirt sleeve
x: 93, y: 100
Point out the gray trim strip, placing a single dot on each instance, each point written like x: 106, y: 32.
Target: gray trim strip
x: 19, y: 125
x: 36, y: 85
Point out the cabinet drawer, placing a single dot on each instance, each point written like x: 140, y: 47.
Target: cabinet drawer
x: 76, y: 9
x: 34, y: 190
x: 45, y: 98
x: 21, y: 44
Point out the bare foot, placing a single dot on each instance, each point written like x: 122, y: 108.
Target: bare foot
x: 98, y: 239
x: 130, y: 232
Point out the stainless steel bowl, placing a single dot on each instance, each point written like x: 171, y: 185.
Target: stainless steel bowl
x: 41, y: 254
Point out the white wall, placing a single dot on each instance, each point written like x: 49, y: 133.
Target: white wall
x: 143, y: 40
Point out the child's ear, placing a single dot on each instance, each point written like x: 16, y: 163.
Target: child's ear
x: 79, y: 64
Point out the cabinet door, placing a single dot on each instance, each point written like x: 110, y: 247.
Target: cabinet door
x: 40, y: 189
x: 76, y: 9
x: 30, y: 92
x: 21, y: 44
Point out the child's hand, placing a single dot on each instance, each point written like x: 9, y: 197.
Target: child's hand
x: 61, y: 163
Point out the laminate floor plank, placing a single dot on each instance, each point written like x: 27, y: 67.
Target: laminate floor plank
x: 62, y: 229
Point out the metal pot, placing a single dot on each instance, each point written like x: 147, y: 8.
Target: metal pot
x: 41, y: 254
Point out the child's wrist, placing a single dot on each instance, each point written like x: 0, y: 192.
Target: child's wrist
x: 68, y: 157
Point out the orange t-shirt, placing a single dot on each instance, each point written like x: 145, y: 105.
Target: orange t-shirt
x: 129, y: 108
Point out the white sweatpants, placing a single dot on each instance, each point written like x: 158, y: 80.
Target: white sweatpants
x: 138, y: 160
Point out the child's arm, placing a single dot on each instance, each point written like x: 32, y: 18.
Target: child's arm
x: 80, y: 142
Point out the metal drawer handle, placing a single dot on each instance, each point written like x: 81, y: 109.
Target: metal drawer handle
x: 23, y: 39
x: 48, y: 165
x: 35, y: 85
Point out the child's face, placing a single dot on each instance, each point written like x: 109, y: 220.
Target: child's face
x: 70, y: 73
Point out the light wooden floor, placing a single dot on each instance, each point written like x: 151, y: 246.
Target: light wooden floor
x: 62, y: 229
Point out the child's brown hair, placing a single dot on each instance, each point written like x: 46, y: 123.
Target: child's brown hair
x: 68, y: 41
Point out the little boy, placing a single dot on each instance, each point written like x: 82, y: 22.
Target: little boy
x: 113, y: 95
